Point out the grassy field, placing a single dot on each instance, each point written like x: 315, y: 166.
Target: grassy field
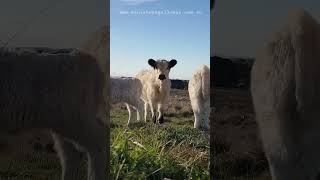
x: 173, y: 150
x: 32, y: 159
x: 236, y: 150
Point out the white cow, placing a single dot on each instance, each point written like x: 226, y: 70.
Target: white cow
x: 128, y: 91
x: 156, y: 87
x: 285, y: 86
x: 199, y: 93
x: 61, y: 93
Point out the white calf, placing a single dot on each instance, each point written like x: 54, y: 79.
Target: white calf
x: 199, y: 93
x: 129, y: 91
x: 156, y: 87
x: 61, y: 93
x: 285, y: 86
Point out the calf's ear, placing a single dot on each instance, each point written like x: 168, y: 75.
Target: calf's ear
x: 172, y: 63
x: 152, y: 63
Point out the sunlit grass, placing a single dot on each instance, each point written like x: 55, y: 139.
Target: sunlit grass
x: 172, y: 150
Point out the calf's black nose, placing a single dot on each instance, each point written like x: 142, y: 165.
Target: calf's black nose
x: 162, y: 77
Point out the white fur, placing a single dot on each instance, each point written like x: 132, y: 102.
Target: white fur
x: 62, y: 93
x: 199, y: 93
x: 155, y: 92
x: 285, y: 87
x: 127, y: 90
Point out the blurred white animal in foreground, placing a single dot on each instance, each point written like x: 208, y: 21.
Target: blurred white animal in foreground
x: 285, y: 86
x: 199, y: 93
x: 61, y: 93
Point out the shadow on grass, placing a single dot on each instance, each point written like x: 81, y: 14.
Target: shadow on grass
x: 184, y: 114
x: 226, y: 164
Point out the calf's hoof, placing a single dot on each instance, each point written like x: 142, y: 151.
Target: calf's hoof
x: 161, y: 120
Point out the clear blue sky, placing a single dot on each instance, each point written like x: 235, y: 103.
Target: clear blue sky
x: 241, y: 26
x: 135, y: 38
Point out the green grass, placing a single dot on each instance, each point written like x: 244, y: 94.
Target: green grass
x: 29, y: 166
x: 172, y: 150
x: 34, y: 166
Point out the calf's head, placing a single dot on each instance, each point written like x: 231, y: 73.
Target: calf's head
x: 162, y: 67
